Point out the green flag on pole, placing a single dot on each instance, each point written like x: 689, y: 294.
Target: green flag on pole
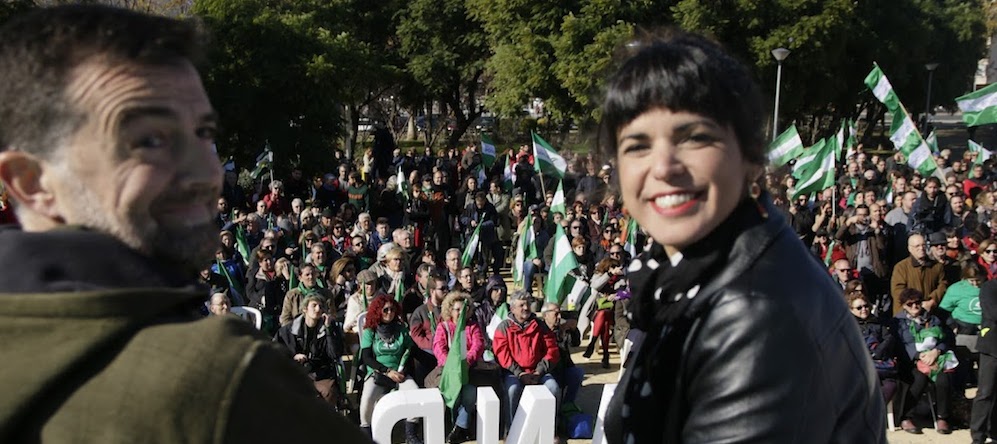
x: 979, y: 107
x: 559, y: 278
x: 932, y: 141
x: 526, y: 249
x: 454, y: 375
x: 263, y: 162
x: 786, y: 147
x: 557, y: 204
x: 403, y: 185
x: 903, y: 132
x: 487, y: 151
x: 546, y: 160
x: 809, y: 161
x: 982, y: 154
x: 471, y: 248
x: 820, y: 174
x: 882, y: 89
x: 508, y: 173
x: 241, y: 244
x: 631, y: 244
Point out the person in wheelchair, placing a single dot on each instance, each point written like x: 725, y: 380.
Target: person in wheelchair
x: 315, y: 341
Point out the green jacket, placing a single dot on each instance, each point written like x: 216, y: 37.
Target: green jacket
x: 134, y: 365
x: 963, y: 300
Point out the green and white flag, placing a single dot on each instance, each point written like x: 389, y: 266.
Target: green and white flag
x: 403, y: 185
x: 839, y: 142
x: 904, y: 134
x: 908, y: 141
x: 501, y: 313
x: 508, y: 173
x: 809, y: 161
x: 454, y: 374
x: 471, y: 248
x: 786, y: 147
x: 546, y: 160
x: 526, y: 249
x: 263, y: 162
x: 631, y: 244
x: 979, y: 107
x: 982, y: 154
x: 487, y: 151
x: 820, y: 175
x: 482, y: 178
x: 932, y: 141
x: 882, y: 89
x: 557, y: 204
x: 853, y: 138
x: 559, y: 278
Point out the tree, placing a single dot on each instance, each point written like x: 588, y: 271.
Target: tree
x: 444, y: 51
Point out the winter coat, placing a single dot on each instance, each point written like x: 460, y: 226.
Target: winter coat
x: 421, y: 325
x: 928, y: 278
x: 987, y: 342
x: 473, y: 336
x: 761, y: 361
x: 110, y: 348
x: 530, y: 347
x: 324, y: 351
x: 901, y: 327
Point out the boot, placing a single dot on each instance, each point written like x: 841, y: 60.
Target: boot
x: 459, y: 435
x: 605, y: 361
x: 590, y: 349
x: 412, y: 433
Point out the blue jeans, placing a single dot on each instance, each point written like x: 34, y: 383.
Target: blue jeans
x: 530, y: 269
x: 514, y: 391
x: 572, y: 381
x: 465, y: 405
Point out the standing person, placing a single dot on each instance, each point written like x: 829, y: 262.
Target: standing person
x: 684, y: 122
x: 106, y: 126
x: 983, y: 418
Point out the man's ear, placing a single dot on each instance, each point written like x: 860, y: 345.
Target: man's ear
x: 22, y: 174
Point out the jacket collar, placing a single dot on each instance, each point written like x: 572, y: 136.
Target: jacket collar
x: 298, y: 324
x: 77, y: 259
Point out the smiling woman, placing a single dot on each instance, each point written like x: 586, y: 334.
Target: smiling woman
x: 748, y: 338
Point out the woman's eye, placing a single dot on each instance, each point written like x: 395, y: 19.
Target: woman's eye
x: 702, y: 138
x: 634, y: 148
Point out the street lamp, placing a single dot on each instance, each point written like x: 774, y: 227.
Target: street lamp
x: 780, y: 54
x: 927, y: 101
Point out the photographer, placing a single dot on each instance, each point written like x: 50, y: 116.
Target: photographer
x: 864, y: 240
x: 316, y: 342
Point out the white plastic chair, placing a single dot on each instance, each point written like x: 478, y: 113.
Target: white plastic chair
x: 250, y: 314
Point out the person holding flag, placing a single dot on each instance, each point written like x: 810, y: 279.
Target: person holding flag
x: 458, y: 345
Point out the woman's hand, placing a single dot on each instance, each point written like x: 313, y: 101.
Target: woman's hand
x: 300, y: 358
x: 930, y: 357
x: 396, y: 376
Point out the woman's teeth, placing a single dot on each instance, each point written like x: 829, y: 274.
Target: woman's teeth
x: 672, y: 200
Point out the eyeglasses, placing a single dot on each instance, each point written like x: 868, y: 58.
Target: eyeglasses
x: 861, y: 307
x: 609, y: 230
x: 337, y: 227
x: 388, y: 309
x: 576, y: 227
x: 913, y: 303
x: 844, y: 270
x: 617, y: 253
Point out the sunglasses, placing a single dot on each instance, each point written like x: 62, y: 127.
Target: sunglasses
x: 846, y: 270
x: 576, y: 227
x: 913, y: 303
x: 337, y: 227
x: 358, y: 244
x: 861, y: 307
x: 990, y: 251
x: 387, y: 310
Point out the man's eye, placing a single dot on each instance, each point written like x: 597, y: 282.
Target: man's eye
x: 207, y: 132
x: 152, y: 141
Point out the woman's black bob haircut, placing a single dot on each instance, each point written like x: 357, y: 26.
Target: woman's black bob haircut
x: 684, y: 72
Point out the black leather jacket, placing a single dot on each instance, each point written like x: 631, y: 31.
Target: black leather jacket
x: 775, y: 356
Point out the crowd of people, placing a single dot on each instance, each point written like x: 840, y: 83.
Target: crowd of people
x: 910, y: 254
x: 369, y: 264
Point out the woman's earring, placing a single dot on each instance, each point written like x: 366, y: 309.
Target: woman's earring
x: 755, y: 191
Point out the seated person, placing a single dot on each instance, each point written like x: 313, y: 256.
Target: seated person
x: 367, y: 290
x: 565, y: 372
x: 527, y: 349
x: 880, y: 340
x: 308, y: 284
x: 385, y: 348
x: 474, y: 340
x: 315, y: 342
x: 219, y: 304
x: 926, y: 357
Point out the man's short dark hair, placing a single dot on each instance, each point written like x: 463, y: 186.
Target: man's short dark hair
x: 39, y: 51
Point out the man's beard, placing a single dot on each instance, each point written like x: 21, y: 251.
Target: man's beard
x: 190, y: 248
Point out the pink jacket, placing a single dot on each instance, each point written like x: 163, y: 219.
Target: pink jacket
x: 472, y: 334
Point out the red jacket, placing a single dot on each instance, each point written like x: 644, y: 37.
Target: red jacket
x: 472, y: 335
x: 529, y: 349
